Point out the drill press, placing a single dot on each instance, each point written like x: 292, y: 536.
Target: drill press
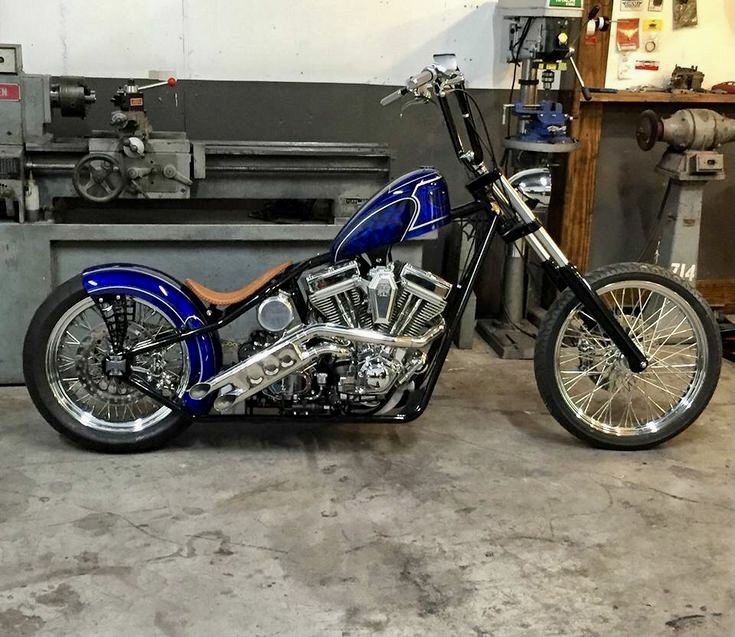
x: 542, y: 34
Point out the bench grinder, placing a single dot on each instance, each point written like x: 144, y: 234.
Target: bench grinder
x: 692, y: 159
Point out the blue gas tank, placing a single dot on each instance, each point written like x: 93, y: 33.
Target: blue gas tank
x: 408, y: 207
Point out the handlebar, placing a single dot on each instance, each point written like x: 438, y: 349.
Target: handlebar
x: 392, y: 97
x: 417, y: 81
x: 413, y: 83
x: 445, y: 77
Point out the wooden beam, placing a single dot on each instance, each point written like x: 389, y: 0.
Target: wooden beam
x: 645, y: 97
x: 572, y: 203
x: 579, y: 196
x: 719, y: 293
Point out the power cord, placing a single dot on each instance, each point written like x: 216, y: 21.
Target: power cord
x: 655, y: 236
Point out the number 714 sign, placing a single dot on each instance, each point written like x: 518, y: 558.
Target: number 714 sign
x: 685, y: 271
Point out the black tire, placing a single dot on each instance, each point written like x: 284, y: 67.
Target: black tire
x: 34, y: 370
x: 545, y: 363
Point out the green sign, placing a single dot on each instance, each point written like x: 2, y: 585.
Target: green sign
x: 572, y: 4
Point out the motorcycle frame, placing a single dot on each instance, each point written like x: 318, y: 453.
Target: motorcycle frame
x: 505, y: 212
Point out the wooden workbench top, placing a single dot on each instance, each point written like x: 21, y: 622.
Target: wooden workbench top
x: 641, y: 97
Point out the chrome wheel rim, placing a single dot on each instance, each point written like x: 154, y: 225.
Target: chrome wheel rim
x: 74, y: 354
x: 594, y: 379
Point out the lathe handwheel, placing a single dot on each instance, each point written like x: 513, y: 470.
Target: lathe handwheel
x: 98, y: 178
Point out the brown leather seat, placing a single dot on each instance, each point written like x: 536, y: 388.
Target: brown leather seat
x: 229, y: 298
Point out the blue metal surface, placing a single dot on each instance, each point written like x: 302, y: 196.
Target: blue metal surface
x: 545, y: 123
x: 408, y: 207
x: 171, y: 298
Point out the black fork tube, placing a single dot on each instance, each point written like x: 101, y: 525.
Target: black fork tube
x: 564, y: 272
x: 451, y: 126
x: 594, y: 306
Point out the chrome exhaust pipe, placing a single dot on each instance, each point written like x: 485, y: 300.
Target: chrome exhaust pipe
x: 290, y: 355
x: 200, y: 390
x: 225, y: 401
x: 359, y: 335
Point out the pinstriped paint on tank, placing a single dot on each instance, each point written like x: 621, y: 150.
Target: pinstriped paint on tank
x: 410, y: 206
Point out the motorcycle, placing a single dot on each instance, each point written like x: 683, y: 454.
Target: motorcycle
x: 123, y: 357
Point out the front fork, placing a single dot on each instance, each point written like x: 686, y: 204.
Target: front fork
x: 565, y: 274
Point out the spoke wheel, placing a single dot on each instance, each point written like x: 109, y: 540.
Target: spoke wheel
x: 586, y: 382
x: 594, y: 376
x: 75, y: 354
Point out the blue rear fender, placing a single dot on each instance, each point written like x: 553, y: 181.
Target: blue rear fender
x: 175, y: 302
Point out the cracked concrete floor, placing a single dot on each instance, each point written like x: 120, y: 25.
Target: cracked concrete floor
x: 482, y: 518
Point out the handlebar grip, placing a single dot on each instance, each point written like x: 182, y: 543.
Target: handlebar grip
x: 392, y: 97
x: 422, y: 78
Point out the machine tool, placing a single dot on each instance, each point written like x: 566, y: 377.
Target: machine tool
x: 542, y: 36
x: 131, y: 160
x: 101, y: 195
x: 26, y: 104
x: 136, y: 162
x: 693, y: 158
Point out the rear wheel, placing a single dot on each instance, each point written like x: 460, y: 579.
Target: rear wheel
x: 585, y: 381
x: 64, y: 351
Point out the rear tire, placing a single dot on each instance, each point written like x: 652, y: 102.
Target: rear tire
x: 600, y: 365
x: 116, y: 436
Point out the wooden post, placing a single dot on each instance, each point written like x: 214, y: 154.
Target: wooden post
x: 573, y: 202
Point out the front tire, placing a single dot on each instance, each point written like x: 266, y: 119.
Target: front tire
x: 65, y: 342
x: 585, y: 382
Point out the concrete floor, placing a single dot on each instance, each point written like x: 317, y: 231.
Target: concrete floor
x: 482, y: 518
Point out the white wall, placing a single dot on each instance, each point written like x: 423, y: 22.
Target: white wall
x: 710, y: 45
x: 354, y: 41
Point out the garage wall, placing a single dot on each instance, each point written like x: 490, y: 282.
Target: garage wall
x: 629, y: 190
x: 313, y: 71
x: 710, y: 45
x: 346, y: 41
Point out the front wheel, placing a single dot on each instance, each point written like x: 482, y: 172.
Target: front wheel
x: 585, y: 380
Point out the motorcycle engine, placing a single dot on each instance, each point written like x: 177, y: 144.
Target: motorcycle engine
x: 398, y: 299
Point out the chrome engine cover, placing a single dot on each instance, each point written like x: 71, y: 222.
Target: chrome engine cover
x: 376, y: 374
x: 404, y: 304
x: 338, y: 294
x: 422, y: 297
x: 276, y: 313
x: 364, y: 339
x: 396, y: 299
x: 381, y: 289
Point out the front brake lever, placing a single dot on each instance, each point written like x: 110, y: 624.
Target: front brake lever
x: 419, y: 100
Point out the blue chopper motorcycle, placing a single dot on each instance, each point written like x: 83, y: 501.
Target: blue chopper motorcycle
x: 123, y: 357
